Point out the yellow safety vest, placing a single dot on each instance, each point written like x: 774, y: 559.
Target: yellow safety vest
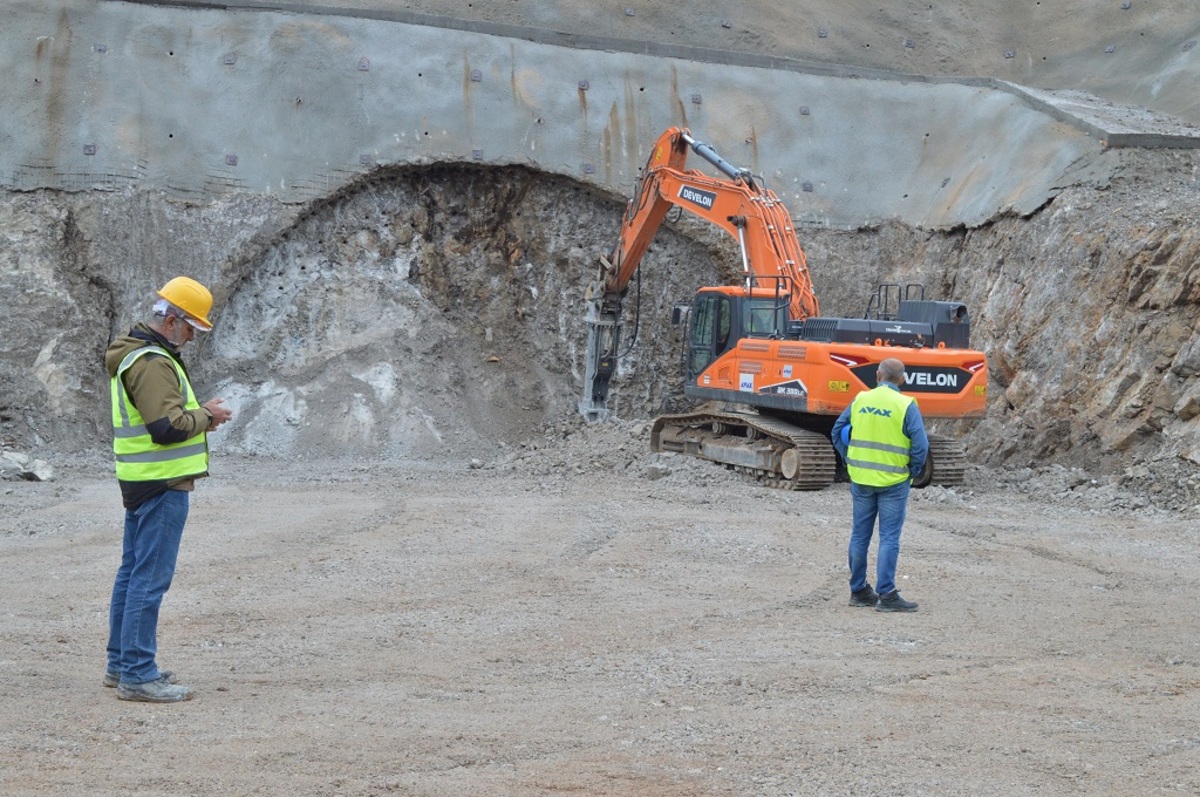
x: 138, y: 457
x: 878, y: 453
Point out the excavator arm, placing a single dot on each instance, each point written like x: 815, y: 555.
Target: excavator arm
x: 770, y: 252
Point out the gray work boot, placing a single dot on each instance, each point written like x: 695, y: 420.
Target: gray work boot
x: 892, y: 602
x: 157, y: 691
x: 112, y: 678
x: 864, y: 597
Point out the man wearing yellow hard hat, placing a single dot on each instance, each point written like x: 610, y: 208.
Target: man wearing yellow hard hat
x: 161, y: 447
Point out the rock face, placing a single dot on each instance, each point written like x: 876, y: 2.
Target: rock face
x: 437, y: 308
x: 1087, y: 311
x: 416, y: 309
x: 75, y: 269
x: 427, y: 309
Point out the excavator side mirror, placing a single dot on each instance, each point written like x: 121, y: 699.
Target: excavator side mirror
x: 679, y: 314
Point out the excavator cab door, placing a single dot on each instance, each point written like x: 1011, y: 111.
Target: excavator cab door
x: 711, y: 332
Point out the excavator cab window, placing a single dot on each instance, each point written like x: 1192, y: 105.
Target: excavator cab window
x: 724, y: 325
x: 712, y: 323
x: 764, y: 318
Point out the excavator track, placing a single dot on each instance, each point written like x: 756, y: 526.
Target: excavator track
x: 777, y: 453
x: 949, y: 461
x: 774, y: 452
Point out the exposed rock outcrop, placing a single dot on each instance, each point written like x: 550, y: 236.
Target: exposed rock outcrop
x: 442, y: 307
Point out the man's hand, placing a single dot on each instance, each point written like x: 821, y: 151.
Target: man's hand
x: 220, y: 413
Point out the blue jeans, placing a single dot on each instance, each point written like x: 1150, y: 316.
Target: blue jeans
x: 152, y: 534
x: 889, y: 504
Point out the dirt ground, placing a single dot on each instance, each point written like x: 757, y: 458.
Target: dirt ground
x: 577, y: 615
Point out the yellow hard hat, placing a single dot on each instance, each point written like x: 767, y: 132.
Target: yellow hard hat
x: 192, y: 298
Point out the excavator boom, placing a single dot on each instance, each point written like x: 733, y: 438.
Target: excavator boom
x: 771, y: 253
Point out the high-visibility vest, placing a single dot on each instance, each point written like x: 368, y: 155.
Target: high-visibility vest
x: 878, y: 453
x: 138, y: 457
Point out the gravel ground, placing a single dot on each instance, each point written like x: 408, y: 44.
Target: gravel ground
x: 576, y: 615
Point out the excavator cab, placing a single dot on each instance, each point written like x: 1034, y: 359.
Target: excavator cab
x: 721, y: 316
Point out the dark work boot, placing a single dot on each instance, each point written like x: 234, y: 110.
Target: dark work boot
x: 864, y: 597
x: 892, y: 602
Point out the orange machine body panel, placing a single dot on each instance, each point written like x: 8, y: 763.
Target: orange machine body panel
x: 823, y: 378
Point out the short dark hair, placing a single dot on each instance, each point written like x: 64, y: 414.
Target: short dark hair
x: 891, y: 370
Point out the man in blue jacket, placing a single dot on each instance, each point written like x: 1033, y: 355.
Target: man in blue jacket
x: 884, y: 451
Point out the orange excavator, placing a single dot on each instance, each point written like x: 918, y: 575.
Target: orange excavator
x: 772, y: 374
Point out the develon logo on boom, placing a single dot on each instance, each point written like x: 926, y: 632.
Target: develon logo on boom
x: 704, y: 199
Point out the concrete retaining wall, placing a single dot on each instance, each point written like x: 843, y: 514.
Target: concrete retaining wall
x: 204, y: 102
